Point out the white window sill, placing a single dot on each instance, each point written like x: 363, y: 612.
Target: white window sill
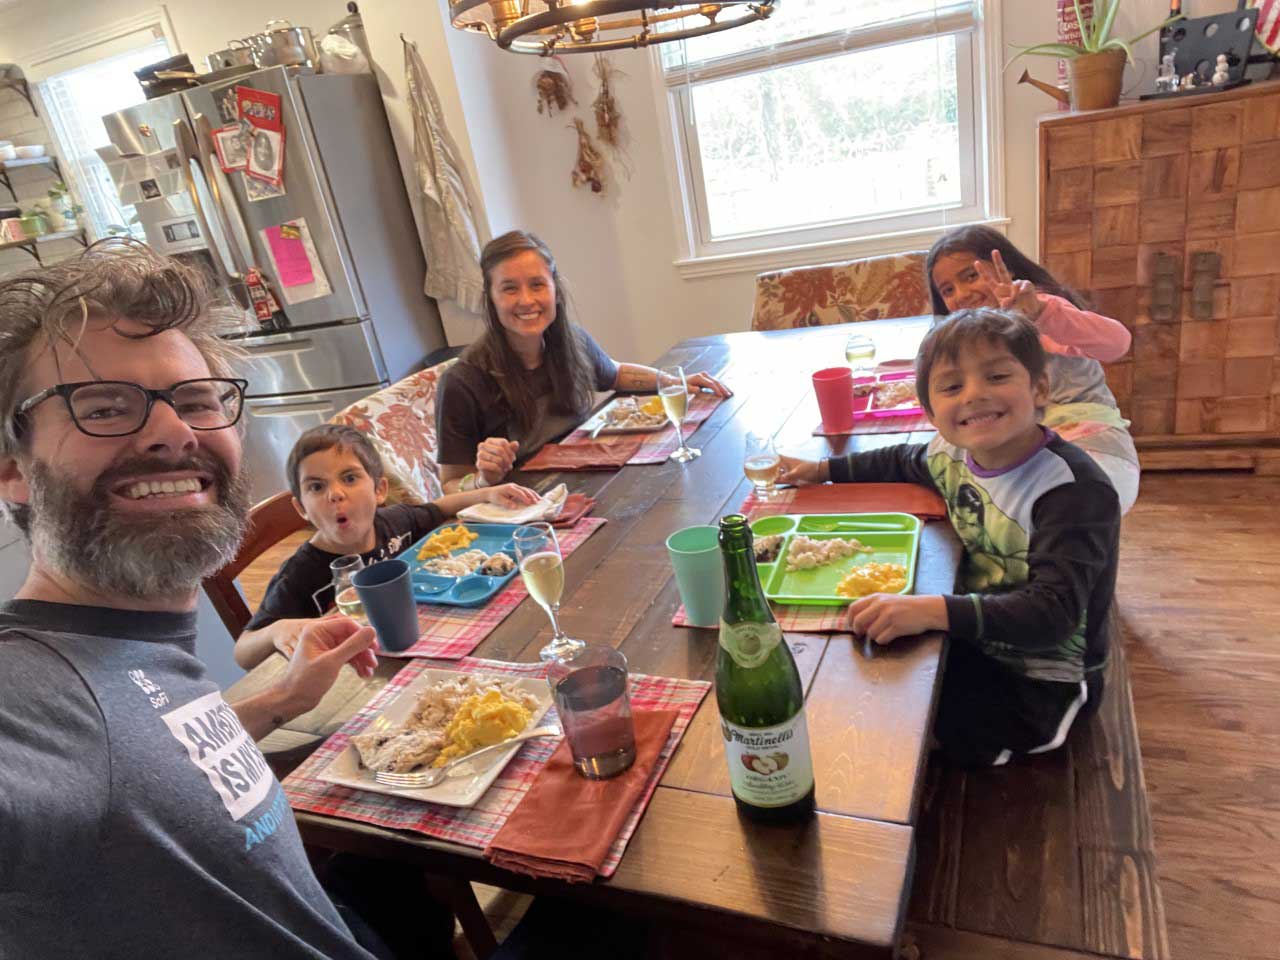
x: 813, y: 254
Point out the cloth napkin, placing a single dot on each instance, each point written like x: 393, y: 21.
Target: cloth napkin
x: 548, y: 507
x: 576, y: 506
x: 565, y: 825
x: 611, y: 454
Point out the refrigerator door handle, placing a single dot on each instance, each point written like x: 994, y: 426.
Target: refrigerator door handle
x: 209, y: 166
x: 279, y: 348
x: 185, y: 141
x: 290, y: 409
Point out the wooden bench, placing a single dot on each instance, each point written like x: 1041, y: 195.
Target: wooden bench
x: 1044, y: 860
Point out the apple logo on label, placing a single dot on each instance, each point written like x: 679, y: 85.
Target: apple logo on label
x: 765, y: 765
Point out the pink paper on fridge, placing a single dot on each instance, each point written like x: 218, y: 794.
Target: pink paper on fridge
x: 292, y: 263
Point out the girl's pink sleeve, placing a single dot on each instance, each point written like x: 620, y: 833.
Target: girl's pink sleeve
x: 1072, y: 332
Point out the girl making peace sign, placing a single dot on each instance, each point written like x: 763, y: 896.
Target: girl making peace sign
x: 979, y: 267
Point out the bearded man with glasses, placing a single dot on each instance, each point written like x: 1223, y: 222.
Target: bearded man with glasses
x: 139, y: 818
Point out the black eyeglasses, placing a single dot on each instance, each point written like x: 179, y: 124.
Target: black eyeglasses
x: 117, y: 408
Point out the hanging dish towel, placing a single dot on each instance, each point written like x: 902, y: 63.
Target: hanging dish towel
x: 451, y: 232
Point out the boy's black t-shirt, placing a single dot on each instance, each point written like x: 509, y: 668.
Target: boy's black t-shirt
x: 304, y: 585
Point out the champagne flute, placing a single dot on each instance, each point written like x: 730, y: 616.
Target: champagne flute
x: 344, y: 592
x: 761, y: 464
x: 859, y: 352
x: 674, y: 391
x: 542, y: 568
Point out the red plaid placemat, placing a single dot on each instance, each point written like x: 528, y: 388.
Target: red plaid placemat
x: 450, y: 633
x: 612, y: 451
x: 877, y: 425
x: 476, y: 826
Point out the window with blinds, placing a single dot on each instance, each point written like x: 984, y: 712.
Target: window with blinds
x: 832, y: 121
x: 75, y: 99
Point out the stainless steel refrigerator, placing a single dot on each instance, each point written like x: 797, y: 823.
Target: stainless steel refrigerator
x: 363, y: 321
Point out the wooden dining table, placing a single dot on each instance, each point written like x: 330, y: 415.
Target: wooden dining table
x: 835, y: 885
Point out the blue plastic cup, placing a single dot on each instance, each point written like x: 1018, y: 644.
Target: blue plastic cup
x: 386, y: 590
x: 695, y: 558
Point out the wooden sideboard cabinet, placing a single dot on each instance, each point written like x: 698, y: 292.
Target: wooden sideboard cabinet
x: 1129, y: 198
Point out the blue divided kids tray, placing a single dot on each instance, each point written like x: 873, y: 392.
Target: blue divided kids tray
x: 891, y: 537
x: 472, y: 590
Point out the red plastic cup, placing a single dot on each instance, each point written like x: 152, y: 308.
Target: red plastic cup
x: 834, y: 387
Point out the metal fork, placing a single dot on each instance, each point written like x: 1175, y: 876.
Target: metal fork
x: 420, y: 779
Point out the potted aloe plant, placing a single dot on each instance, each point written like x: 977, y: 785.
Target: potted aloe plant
x: 1095, y: 66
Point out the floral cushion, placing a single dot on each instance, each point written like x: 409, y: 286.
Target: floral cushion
x: 401, y: 420
x: 876, y: 288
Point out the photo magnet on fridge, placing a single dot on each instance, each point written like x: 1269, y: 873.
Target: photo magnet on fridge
x: 232, y: 151
x: 260, y: 109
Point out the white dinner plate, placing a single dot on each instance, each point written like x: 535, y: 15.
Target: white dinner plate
x: 603, y: 413
x: 465, y: 785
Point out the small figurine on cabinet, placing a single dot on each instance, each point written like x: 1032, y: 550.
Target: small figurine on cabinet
x: 1188, y: 82
x: 1221, y: 71
x: 1167, y: 79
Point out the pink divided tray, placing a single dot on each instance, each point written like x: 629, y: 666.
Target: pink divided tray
x: 862, y: 409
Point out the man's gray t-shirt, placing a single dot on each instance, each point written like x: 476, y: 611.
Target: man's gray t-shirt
x: 137, y: 817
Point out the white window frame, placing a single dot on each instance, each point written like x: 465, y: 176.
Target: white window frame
x: 976, y: 27
x: 79, y: 50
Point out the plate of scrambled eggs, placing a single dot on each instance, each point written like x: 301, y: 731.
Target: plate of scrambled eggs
x: 629, y: 414
x: 440, y: 716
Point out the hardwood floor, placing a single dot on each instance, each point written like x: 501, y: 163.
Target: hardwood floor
x: 1199, y: 598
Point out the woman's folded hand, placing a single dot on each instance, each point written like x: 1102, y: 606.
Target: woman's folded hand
x: 495, y: 457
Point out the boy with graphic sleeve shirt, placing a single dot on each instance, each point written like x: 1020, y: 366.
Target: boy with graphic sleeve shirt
x: 1040, y: 525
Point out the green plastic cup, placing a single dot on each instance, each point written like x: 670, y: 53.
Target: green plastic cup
x: 695, y: 558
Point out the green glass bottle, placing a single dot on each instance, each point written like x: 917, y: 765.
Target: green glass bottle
x: 759, y: 693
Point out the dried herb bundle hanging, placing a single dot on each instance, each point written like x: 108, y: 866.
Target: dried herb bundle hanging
x: 590, y: 165
x: 555, y: 91
x: 608, y: 117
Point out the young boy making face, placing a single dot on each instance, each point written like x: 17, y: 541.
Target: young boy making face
x: 1040, y: 527
x: 338, y: 486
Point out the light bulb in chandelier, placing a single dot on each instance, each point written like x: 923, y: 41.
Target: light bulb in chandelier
x: 546, y: 27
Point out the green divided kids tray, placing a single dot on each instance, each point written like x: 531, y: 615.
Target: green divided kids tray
x: 892, y: 537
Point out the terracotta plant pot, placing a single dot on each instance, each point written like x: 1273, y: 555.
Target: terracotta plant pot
x: 1095, y: 79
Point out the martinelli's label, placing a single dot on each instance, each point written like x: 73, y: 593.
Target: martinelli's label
x: 749, y: 643
x: 769, y: 766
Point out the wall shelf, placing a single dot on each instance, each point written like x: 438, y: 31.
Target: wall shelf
x: 7, y: 165
x: 31, y: 245
x: 11, y: 78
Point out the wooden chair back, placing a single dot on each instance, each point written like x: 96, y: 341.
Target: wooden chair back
x: 269, y: 522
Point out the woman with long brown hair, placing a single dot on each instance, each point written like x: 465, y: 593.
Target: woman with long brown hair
x: 531, y: 376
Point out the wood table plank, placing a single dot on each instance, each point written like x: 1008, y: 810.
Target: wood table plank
x: 869, y: 720
x: 831, y: 876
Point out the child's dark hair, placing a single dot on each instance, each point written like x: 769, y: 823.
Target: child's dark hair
x: 326, y: 437
x: 1008, y: 328
x: 980, y: 241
